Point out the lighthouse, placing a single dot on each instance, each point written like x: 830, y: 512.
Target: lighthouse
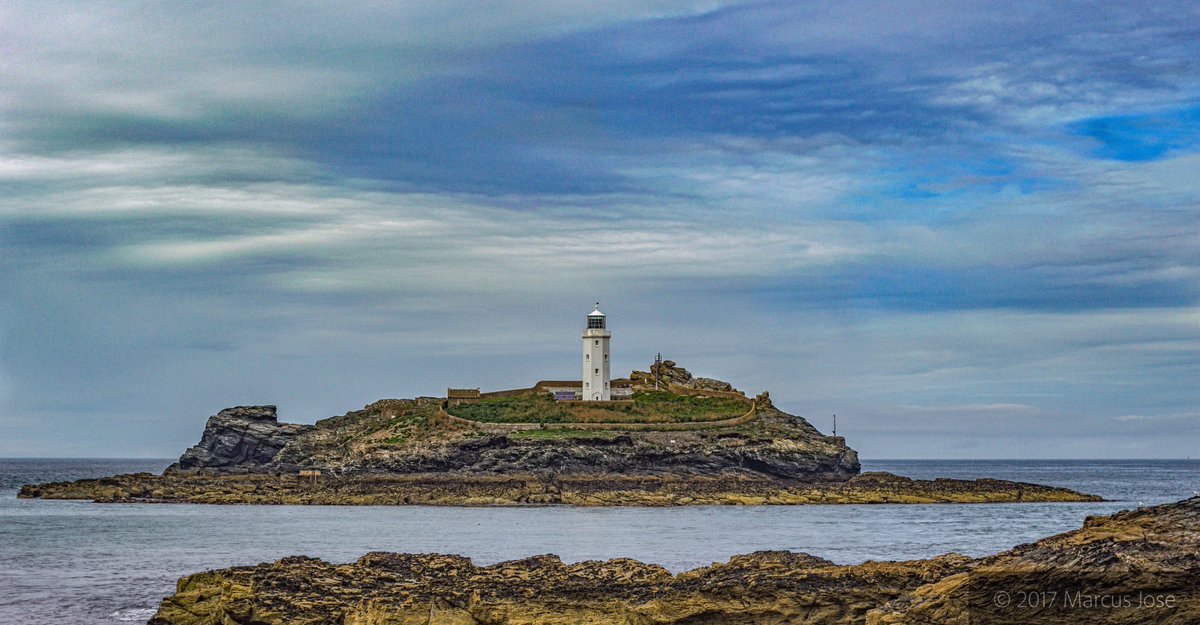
x: 595, y: 358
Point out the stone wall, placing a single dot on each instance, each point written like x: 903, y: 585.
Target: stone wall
x: 512, y: 392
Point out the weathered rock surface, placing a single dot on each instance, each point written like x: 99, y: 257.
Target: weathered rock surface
x: 674, y: 375
x: 1153, y: 552
x: 540, y: 489
x: 1137, y: 566
x: 239, y: 439
x: 764, y: 587
x: 776, y: 445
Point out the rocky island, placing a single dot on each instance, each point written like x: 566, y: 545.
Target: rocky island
x: 667, y: 438
x: 1140, y: 566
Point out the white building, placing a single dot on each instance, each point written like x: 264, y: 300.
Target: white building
x: 595, y: 358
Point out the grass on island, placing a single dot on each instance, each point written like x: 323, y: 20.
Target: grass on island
x: 411, y: 424
x: 646, y: 407
x: 563, y: 433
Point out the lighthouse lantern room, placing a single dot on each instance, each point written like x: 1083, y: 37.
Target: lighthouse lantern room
x: 595, y: 358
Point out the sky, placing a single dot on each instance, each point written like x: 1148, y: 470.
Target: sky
x: 969, y: 229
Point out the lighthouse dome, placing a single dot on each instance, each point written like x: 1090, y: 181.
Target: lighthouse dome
x: 595, y: 319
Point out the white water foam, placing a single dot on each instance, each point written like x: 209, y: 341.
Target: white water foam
x: 133, y: 615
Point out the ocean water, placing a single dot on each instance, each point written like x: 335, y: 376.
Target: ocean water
x: 92, y: 564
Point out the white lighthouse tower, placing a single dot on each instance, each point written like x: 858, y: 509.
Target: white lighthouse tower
x: 595, y: 358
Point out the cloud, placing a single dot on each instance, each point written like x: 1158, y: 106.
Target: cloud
x: 355, y: 239
x: 143, y: 166
x: 918, y: 216
x: 6, y: 386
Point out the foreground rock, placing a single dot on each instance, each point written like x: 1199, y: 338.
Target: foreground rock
x: 1138, y: 566
x: 540, y: 489
x: 1151, y: 554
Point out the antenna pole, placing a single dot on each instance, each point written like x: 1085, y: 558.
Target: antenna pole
x: 835, y: 425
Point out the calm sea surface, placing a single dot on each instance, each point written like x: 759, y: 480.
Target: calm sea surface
x: 89, y: 564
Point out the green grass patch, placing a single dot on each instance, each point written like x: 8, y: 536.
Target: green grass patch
x: 688, y: 407
x: 561, y: 433
x: 646, y: 407
x: 540, y: 408
x: 402, y: 428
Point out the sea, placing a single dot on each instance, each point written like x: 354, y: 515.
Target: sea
x: 84, y: 563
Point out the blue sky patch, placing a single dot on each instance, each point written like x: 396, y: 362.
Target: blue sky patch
x: 1142, y: 137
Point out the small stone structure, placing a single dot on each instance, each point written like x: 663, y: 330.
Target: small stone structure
x: 457, y: 396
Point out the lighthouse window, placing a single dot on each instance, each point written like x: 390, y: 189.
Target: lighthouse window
x: 597, y: 371
x: 587, y: 356
x: 596, y: 322
x: 597, y: 342
x: 606, y: 356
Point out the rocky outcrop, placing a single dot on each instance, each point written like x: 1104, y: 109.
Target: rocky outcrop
x: 626, y: 453
x: 396, y: 452
x: 411, y: 451
x: 764, y: 587
x: 407, y: 437
x: 1098, y: 575
x: 669, y: 374
x: 239, y: 439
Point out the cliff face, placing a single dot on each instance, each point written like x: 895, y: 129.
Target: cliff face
x: 776, y: 445
x: 239, y: 439
x: 1150, y: 555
